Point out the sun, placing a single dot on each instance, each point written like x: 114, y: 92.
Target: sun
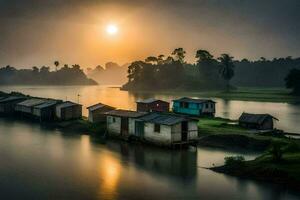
x: 112, y: 29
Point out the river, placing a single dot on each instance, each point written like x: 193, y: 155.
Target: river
x: 43, y: 163
x: 288, y: 114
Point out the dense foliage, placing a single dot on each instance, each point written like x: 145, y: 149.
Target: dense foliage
x: 293, y: 81
x: 173, y: 72
x: 43, y: 76
x: 208, y: 72
x: 263, y: 72
x: 234, y: 160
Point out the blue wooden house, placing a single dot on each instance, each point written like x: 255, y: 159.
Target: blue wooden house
x: 195, y: 107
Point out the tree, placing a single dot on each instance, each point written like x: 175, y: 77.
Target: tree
x: 56, y: 63
x: 263, y: 59
x: 45, y: 70
x: 66, y: 67
x: 160, y: 59
x: 169, y: 60
x: 292, y: 81
x: 276, y: 152
x: 35, y: 70
x: 203, y: 56
x: 76, y: 67
x: 134, y: 71
x: 151, y: 59
x: 179, y: 54
x: 227, y: 68
x: 207, y: 68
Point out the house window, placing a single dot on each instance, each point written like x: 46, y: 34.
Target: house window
x: 184, y: 104
x: 206, y: 105
x: 157, y: 128
x: 113, y: 120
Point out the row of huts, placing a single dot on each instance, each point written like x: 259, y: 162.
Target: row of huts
x: 40, y: 108
x: 152, y: 121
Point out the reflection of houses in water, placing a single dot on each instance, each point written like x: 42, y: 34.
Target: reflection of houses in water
x: 178, y: 164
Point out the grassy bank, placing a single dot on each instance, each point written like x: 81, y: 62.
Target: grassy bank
x: 241, y: 93
x: 267, y: 168
x: 225, y: 133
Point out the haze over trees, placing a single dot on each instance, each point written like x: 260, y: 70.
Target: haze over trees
x: 43, y: 76
x: 263, y: 72
x: 112, y: 74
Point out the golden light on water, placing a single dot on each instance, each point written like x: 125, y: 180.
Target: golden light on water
x: 109, y: 173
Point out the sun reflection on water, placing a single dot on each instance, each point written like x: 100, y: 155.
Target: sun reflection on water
x: 109, y: 175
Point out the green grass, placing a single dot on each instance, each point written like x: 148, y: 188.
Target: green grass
x: 265, y: 167
x: 288, y: 167
x: 259, y: 94
x: 219, y: 126
x: 222, y: 133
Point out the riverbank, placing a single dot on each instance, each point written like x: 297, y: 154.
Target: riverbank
x: 280, y: 95
x: 265, y: 168
x: 227, y: 134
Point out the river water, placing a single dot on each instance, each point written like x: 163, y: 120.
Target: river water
x: 288, y: 114
x: 43, y: 163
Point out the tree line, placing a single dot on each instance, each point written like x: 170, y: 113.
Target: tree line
x: 66, y: 75
x: 173, y: 72
x: 223, y: 72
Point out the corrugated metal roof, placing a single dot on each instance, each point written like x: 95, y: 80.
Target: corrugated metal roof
x: 67, y: 104
x: 98, y: 106
x: 254, y: 118
x: 11, y: 98
x: 193, y: 100
x: 46, y: 104
x: 163, y: 118
x: 151, y: 100
x: 125, y: 113
x: 31, y: 102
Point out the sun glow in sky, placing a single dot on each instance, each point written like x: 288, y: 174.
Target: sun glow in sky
x: 112, y: 29
x: 96, y: 32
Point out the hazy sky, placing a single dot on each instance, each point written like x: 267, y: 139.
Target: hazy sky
x: 37, y: 32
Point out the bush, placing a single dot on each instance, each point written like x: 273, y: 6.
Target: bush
x: 293, y: 147
x: 234, y: 160
x: 276, y: 152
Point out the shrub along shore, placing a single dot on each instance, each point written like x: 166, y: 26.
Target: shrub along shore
x: 278, y: 163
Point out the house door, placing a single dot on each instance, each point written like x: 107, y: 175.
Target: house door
x: 139, y: 129
x: 124, y: 126
x: 184, y: 131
